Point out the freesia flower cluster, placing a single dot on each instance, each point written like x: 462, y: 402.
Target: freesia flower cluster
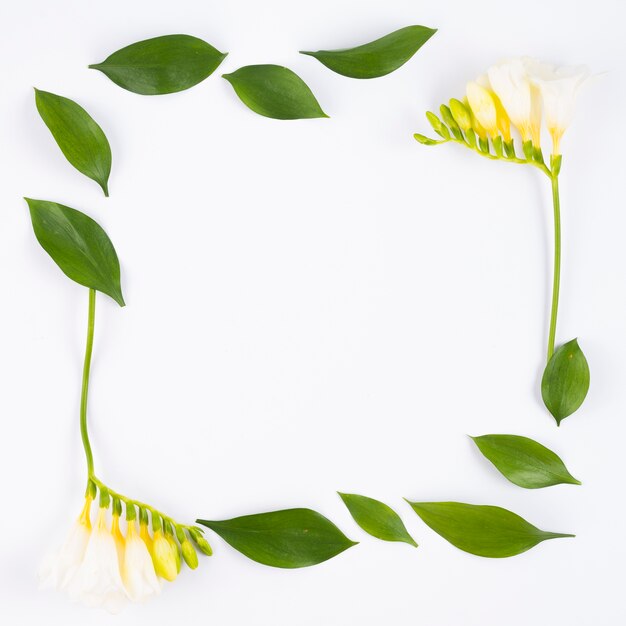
x: 99, y: 566
x: 521, y: 94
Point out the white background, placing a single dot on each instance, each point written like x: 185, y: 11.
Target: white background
x: 315, y: 306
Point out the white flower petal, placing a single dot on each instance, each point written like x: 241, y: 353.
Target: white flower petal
x: 57, y: 569
x: 138, y: 573
x: 510, y: 83
x: 98, y: 582
x: 558, y: 89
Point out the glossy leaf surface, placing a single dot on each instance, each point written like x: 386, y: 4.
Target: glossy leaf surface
x: 275, y: 91
x: 488, y: 531
x: 78, y: 245
x: 565, y: 381
x: 81, y: 140
x: 376, y: 518
x: 377, y: 58
x: 524, y: 462
x: 161, y: 65
x: 289, y: 538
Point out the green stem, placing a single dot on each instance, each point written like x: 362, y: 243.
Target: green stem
x: 85, y: 388
x: 557, y: 264
x: 93, y: 481
x: 493, y: 157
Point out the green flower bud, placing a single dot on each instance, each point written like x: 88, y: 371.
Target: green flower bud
x: 438, y: 126
x: 175, y: 550
x: 555, y: 164
x: 461, y: 115
x: 189, y: 554
x: 426, y: 141
x: 201, y: 542
x: 446, y: 114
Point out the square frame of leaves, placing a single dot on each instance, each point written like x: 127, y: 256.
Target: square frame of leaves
x: 107, y: 563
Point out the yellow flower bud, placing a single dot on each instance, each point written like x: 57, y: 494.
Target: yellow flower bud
x: 164, y: 557
x: 189, y: 554
x: 175, y: 550
x: 483, y: 107
x: 460, y: 114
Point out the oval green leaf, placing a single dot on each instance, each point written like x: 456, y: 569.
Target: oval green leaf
x: 376, y: 518
x: 524, y: 462
x: 289, y: 539
x: 274, y: 91
x: 78, y: 245
x: 565, y: 381
x: 376, y: 58
x: 488, y: 531
x: 81, y: 140
x: 161, y: 65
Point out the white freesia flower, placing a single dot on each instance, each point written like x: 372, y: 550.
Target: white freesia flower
x: 509, y: 80
x: 138, y: 573
x: 558, y: 88
x: 57, y: 570
x: 98, y: 582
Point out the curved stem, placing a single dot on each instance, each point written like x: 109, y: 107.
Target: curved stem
x: 91, y: 318
x: 93, y: 481
x: 557, y: 264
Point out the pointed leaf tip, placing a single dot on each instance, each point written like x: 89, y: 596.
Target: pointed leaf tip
x: 80, y: 138
x: 290, y: 538
x: 524, y: 462
x: 275, y: 91
x: 376, y: 518
x: 487, y: 531
x: 78, y: 245
x: 376, y: 58
x: 161, y: 65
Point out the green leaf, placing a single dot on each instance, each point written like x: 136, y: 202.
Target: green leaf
x: 376, y: 518
x: 524, y: 462
x: 376, y: 58
x: 290, y: 538
x: 274, y: 91
x: 81, y: 140
x: 488, y: 531
x: 565, y: 381
x: 161, y: 65
x: 78, y: 245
